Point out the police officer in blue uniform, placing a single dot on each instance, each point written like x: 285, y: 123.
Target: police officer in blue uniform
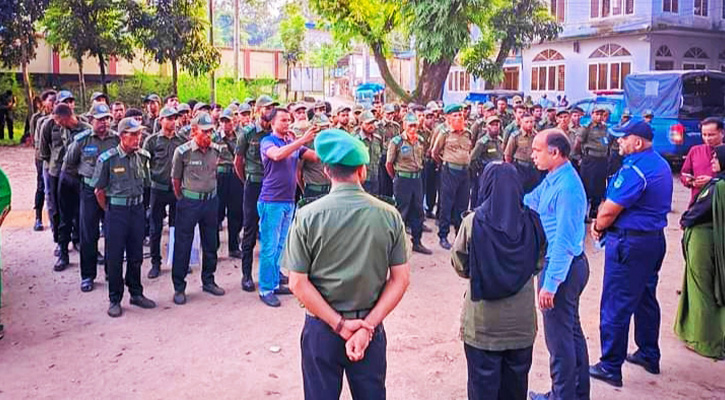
x: 119, y: 179
x: 82, y: 156
x: 631, y: 222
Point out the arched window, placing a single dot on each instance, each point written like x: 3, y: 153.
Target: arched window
x: 548, y: 71
x: 608, y: 67
x: 693, y: 57
x: 664, y: 61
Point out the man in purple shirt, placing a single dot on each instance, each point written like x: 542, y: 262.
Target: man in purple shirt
x: 697, y: 170
x: 276, y: 198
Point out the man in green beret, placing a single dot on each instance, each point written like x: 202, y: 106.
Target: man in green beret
x: 350, y: 280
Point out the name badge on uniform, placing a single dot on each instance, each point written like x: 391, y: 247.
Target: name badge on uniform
x: 405, y: 149
x: 618, y: 182
x: 195, y: 163
x: 90, y: 150
x: 492, y: 150
x: 120, y: 169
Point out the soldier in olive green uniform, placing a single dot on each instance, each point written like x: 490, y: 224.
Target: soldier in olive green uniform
x: 248, y: 167
x: 503, y: 112
x: 390, y: 129
x: 487, y: 149
x: 549, y: 121
x: 453, y: 150
x: 405, y: 165
x: 515, y: 125
x: 229, y: 187
x: 518, y: 151
x: 368, y: 132
x: 151, y: 104
x: 593, y: 143
x: 193, y: 174
x: 351, y: 281
x: 315, y: 182
x: 119, y: 179
x: 82, y: 156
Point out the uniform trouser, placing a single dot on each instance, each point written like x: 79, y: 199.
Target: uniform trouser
x: 189, y: 213
x: 631, y: 268
x: 455, y: 192
x: 324, y: 361
x: 475, y: 185
x: 430, y: 184
x: 251, y: 225
x: 51, y: 199
x: 6, y: 117
x: 311, y: 192
x: 565, y: 340
x: 90, y: 216
x: 371, y: 186
x: 231, y: 198
x: 494, y: 375
x: 147, y: 211
x: 124, y: 233
x: 408, y: 194
x: 385, y: 182
x: 274, y: 221
x: 159, y: 200
x: 68, y: 204
x: 614, y: 163
x: 594, y: 178
x: 39, y: 189
x: 530, y: 176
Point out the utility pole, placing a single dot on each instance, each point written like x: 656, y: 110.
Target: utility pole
x: 212, y: 81
x: 236, y: 41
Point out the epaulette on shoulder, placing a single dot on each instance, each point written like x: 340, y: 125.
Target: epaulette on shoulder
x: 396, y: 140
x: 106, y: 155
x: 82, y: 135
x: 184, y: 147
x: 249, y: 130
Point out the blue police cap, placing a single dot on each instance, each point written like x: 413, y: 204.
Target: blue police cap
x: 638, y: 128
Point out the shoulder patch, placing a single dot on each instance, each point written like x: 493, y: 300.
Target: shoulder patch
x: 396, y: 140
x: 484, y: 139
x: 80, y: 136
x: 184, y: 148
x: 106, y: 155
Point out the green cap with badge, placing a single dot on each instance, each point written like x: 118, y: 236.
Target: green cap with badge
x: 488, y: 106
x: 183, y: 107
x: 367, y: 116
x: 168, y: 112
x: 265, y: 101
x: 337, y: 147
x: 410, y: 118
x: 228, y: 113
x: 129, y: 125
x: 451, y: 108
x: 203, y: 121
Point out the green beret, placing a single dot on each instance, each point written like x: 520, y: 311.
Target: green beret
x: 335, y: 146
x: 451, y: 108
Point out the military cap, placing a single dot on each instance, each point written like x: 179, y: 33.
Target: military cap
x: 130, y: 125
x: 234, y: 108
x: 198, y: 106
x: 321, y: 120
x: 228, y: 113
x: 493, y: 118
x: 235, y: 102
x: 168, y: 112
x: 96, y: 95
x: 562, y: 111
x: 433, y: 106
x: 428, y: 112
x: 367, y: 116
x: 245, y: 108
x: 265, y: 101
x: 249, y: 100
x: 341, y: 109
x: 639, y: 128
x: 152, y: 97
x: 299, y: 105
x: 337, y: 147
x: 529, y: 104
x: 410, y: 118
x: 451, y: 108
x: 517, y: 99
x: 599, y: 108
x: 389, y: 108
x: 626, y: 112
x: 648, y: 113
x: 550, y: 108
x: 488, y: 106
x: 183, y: 107
x: 100, y: 110
x: 64, y: 95
x: 577, y: 109
x: 358, y: 108
x: 320, y: 104
x: 535, y: 106
x: 203, y: 121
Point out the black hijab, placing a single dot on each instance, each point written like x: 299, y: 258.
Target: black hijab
x: 507, y: 236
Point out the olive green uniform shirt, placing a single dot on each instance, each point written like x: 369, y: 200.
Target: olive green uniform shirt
x: 374, y: 143
x: 389, y: 129
x: 488, y: 149
x: 184, y: 132
x: 345, y: 242
x: 493, y: 325
x: 594, y: 140
x: 455, y: 147
x: 83, y: 152
x: 312, y: 171
x: 545, y: 124
x: 506, y: 117
x: 519, y: 146
x: 161, y: 152
x: 121, y: 174
x: 248, y: 144
x: 230, y: 142
x: 196, y: 168
x: 478, y: 128
x: 405, y: 155
x: 509, y: 130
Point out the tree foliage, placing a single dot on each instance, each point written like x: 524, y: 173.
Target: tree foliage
x: 292, y: 33
x: 175, y: 31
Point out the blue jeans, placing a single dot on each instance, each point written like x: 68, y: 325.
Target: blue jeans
x: 274, y: 221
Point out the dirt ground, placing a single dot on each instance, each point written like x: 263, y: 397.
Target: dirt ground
x: 60, y: 344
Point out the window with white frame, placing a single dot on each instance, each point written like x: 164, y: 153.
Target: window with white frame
x: 608, y: 66
x: 611, y: 8
x: 693, y: 59
x: 548, y: 71
x: 459, y: 81
x: 700, y: 8
x: 558, y: 9
x: 663, y: 59
x: 670, y: 6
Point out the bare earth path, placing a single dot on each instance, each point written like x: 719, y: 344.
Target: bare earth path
x: 59, y: 343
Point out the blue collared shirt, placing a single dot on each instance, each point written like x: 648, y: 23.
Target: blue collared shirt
x: 643, y: 186
x: 561, y: 203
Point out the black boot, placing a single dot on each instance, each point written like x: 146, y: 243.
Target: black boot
x: 155, y: 271
x: 63, y: 259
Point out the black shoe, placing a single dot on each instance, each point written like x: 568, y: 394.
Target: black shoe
x: 445, y: 244
x: 270, y: 299
x: 426, y: 228
x: 115, y: 310
x: 283, y: 280
x: 56, y: 252
x: 154, y: 271
x: 87, y: 285
x: 281, y: 290
x: 419, y: 248
x: 142, y: 302
x: 596, y: 371
x: 38, y: 225
x: 429, y: 214
x: 539, y: 396
x: 62, y: 263
x: 101, y: 259
x: 235, y: 254
x: 247, y: 284
x: 213, y: 289
x: 179, y: 298
x: 636, y: 358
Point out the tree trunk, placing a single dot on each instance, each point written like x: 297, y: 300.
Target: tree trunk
x: 174, y: 76
x: 27, y: 85
x: 386, y: 74
x: 82, y: 81
x: 102, y: 66
x: 432, y: 78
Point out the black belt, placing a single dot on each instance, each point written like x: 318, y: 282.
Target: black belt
x: 357, y: 314
x: 634, y: 232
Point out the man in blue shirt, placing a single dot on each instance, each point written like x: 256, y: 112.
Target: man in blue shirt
x: 634, y: 215
x: 561, y: 203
